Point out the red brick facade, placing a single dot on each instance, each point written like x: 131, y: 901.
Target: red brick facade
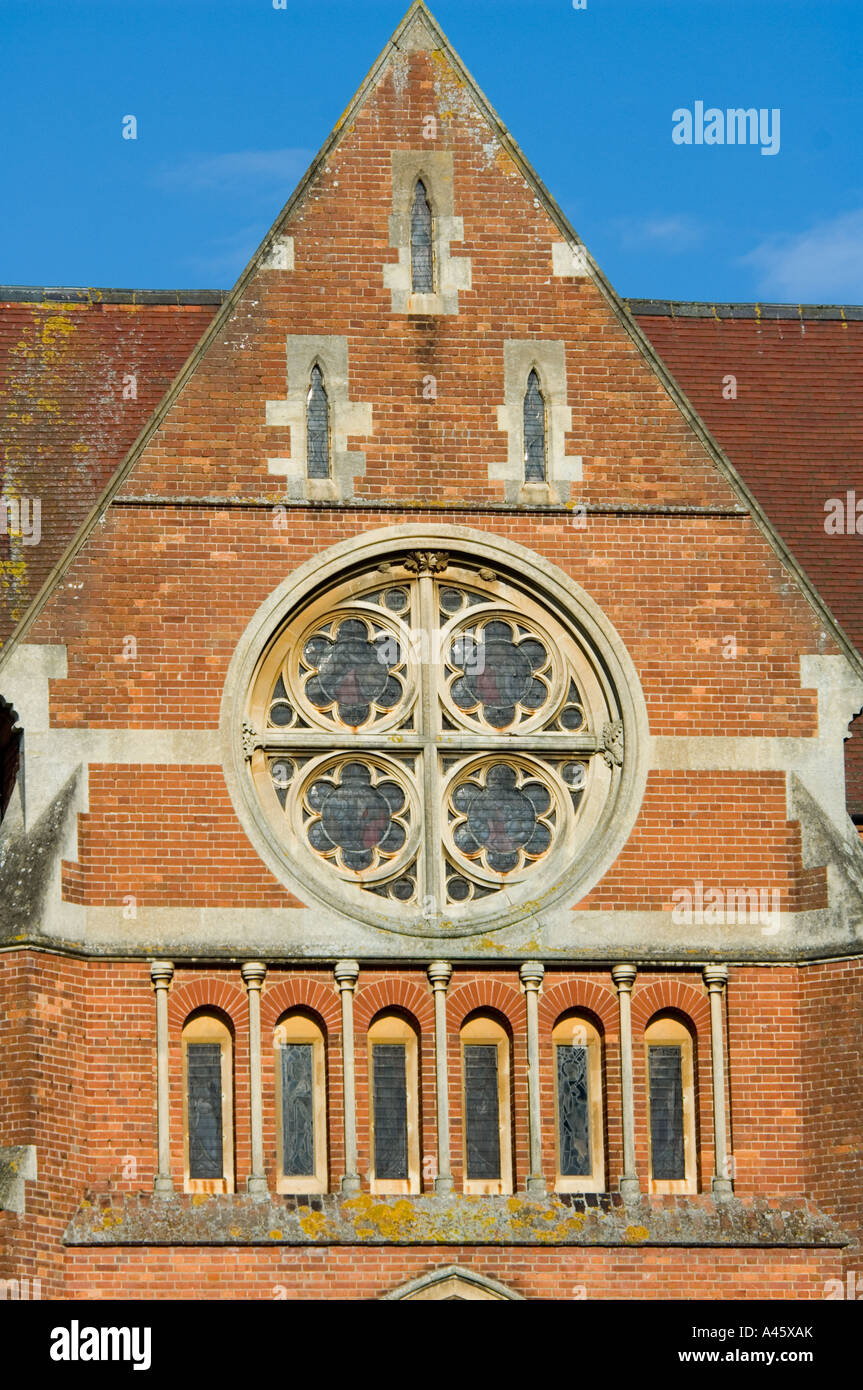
x: 198, y: 536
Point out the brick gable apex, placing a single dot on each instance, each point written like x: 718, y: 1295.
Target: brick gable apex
x: 156, y: 469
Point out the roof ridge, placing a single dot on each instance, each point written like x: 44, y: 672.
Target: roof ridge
x: 741, y: 309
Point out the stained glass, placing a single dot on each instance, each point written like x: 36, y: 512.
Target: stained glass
x: 390, y: 1110
x: 353, y: 671
x: 573, y: 1111
x: 355, y: 818
x: 534, y: 432
x: 668, y: 1161
x: 421, y: 242
x: 481, y: 1111
x: 298, y: 1110
x: 204, y: 1076
x: 318, y: 426
x: 498, y: 673
x: 501, y: 818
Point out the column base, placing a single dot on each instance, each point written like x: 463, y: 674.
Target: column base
x: 444, y: 1185
x: 256, y: 1186
x: 630, y: 1189
x: 722, y: 1187
x: 163, y: 1186
x: 536, y: 1187
x: 351, y: 1184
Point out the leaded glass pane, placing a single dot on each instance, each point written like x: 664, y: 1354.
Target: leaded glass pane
x: 421, y: 242
x: 481, y: 1111
x: 666, y: 1113
x: 298, y: 1110
x: 389, y: 1064
x: 573, y: 1103
x: 534, y: 432
x: 318, y: 427
x: 204, y: 1076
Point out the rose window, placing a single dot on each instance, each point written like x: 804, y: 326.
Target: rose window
x: 430, y: 743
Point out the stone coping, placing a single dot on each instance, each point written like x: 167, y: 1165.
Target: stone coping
x: 598, y: 1219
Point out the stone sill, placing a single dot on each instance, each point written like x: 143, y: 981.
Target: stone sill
x: 600, y: 1219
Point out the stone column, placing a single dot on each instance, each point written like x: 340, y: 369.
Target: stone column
x: 715, y: 979
x: 161, y: 974
x: 624, y: 978
x: 531, y: 975
x: 439, y: 973
x: 254, y: 973
x: 347, y: 973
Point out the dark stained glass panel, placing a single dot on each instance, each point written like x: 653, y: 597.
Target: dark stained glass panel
x: 389, y: 1061
x: 318, y: 427
x: 534, y: 432
x: 502, y: 818
x: 352, y: 672
x: 666, y: 1113
x: 573, y: 1111
x: 356, y: 817
x: 421, y: 242
x: 498, y: 673
x: 204, y: 1073
x: 298, y: 1110
x: 481, y: 1111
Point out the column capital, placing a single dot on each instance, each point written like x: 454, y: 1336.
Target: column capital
x: 624, y: 977
x: 254, y: 973
x: 531, y: 974
x: 440, y: 974
x: 161, y: 973
x: 715, y: 978
x: 346, y: 973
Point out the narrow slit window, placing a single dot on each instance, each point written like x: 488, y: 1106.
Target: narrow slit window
x: 207, y: 1105
x: 301, y: 1105
x: 671, y: 1107
x: 394, y: 1106
x: 422, y: 256
x: 578, y: 1081
x: 535, y: 450
x: 318, y: 426
x: 485, y: 1066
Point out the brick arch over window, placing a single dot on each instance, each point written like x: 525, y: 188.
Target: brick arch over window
x: 558, y: 999
x: 487, y: 994
x: 208, y: 992
x: 670, y: 994
x: 303, y: 993
x: 393, y: 993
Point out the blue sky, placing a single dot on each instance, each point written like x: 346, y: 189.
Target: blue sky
x: 233, y: 97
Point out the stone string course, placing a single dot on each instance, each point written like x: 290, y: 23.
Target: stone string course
x: 598, y: 1219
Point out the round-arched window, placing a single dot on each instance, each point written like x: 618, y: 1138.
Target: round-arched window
x: 432, y: 743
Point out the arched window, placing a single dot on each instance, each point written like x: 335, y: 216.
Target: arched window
x: 208, y: 1118
x: 393, y: 1106
x: 301, y: 1105
x: 671, y: 1106
x: 422, y: 256
x: 578, y: 1106
x: 318, y: 426
x: 535, y: 451
x: 485, y: 1106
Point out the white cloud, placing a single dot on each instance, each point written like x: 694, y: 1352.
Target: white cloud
x: 674, y: 233
x: 236, y: 172
x: 824, y: 264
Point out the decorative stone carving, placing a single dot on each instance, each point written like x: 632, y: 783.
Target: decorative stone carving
x: 612, y: 743
x: 251, y: 739
x: 427, y: 562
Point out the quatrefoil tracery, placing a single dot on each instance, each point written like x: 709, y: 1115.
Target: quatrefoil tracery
x: 428, y: 733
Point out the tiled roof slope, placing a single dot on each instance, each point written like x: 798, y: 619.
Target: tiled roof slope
x: 65, y: 358
x: 794, y: 431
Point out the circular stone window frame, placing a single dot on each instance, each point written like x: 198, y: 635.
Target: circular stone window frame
x: 548, y: 585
